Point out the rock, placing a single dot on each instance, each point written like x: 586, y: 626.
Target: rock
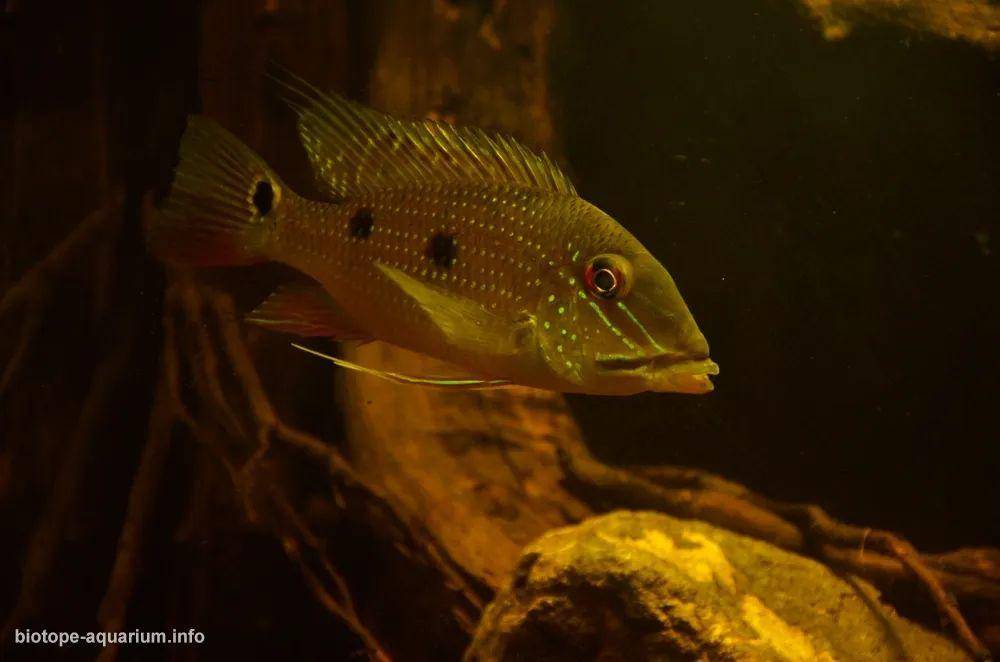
x: 645, y: 586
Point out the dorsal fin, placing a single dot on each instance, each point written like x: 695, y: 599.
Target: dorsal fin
x: 354, y: 149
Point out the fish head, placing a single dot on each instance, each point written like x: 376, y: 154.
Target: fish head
x: 611, y: 320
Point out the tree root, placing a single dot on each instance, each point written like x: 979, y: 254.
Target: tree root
x: 33, y: 290
x: 42, y: 549
x: 201, y: 323
x: 191, y: 313
x: 224, y: 409
x: 879, y: 556
x: 167, y: 409
x: 31, y: 294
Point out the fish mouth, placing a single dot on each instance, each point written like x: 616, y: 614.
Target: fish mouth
x: 665, y: 371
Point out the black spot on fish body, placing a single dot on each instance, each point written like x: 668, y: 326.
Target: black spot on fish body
x: 361, y: 223
x: 442, y: 250
x: 263, y: 197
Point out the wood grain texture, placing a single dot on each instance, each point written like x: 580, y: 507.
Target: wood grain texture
x: 479, y: 467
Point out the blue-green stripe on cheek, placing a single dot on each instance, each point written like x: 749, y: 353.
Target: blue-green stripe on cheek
x: 645, y: 332
x: 614, y: 329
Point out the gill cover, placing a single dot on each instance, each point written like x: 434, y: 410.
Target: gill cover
x: 558, y: 328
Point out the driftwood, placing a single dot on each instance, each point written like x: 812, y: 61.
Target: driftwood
x: 449, y: 486
x: 974, y: 21
x: 458, y: 487
x: 239, y: 428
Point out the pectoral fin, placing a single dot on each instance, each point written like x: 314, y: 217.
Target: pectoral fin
x: 305, y: 310
x: 464, y: 322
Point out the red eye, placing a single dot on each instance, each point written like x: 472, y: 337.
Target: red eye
x: 603, y: 279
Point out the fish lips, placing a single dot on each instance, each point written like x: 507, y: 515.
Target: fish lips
x: 664, y: 372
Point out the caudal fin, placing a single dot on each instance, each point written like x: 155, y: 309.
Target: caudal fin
x: 221, y: 197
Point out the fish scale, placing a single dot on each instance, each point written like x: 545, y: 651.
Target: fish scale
x: 404, y: 224
x: 499, y: 241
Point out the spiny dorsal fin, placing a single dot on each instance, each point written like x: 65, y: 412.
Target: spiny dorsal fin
x: 354, y: 149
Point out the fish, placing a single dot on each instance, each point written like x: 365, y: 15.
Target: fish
x: 450, y: 241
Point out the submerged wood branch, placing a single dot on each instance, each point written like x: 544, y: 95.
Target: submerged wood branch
x: 32, y: 294
x: 974, y: 21
x: 36, y: 283
x: 452, y: 486
x: 244, y: 432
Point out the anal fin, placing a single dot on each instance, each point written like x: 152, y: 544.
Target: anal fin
x: 305, y: 310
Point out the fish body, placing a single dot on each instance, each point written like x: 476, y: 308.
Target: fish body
x: 442, y: 240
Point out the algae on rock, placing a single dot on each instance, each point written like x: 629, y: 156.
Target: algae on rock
x: 646, y: 586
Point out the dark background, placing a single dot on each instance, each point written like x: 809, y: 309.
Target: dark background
x: 830, y: 212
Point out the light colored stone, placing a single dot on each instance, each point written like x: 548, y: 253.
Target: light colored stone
x: 645, y: 586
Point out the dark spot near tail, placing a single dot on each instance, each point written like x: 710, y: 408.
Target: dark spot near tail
x: 263, y: 198
x: 442, y: 250
x: 361, y: 224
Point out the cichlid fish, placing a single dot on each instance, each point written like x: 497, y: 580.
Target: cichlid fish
x: 445, y: 240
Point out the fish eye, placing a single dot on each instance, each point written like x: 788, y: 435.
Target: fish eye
x: 606, y: 276
x: 605, y: 281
